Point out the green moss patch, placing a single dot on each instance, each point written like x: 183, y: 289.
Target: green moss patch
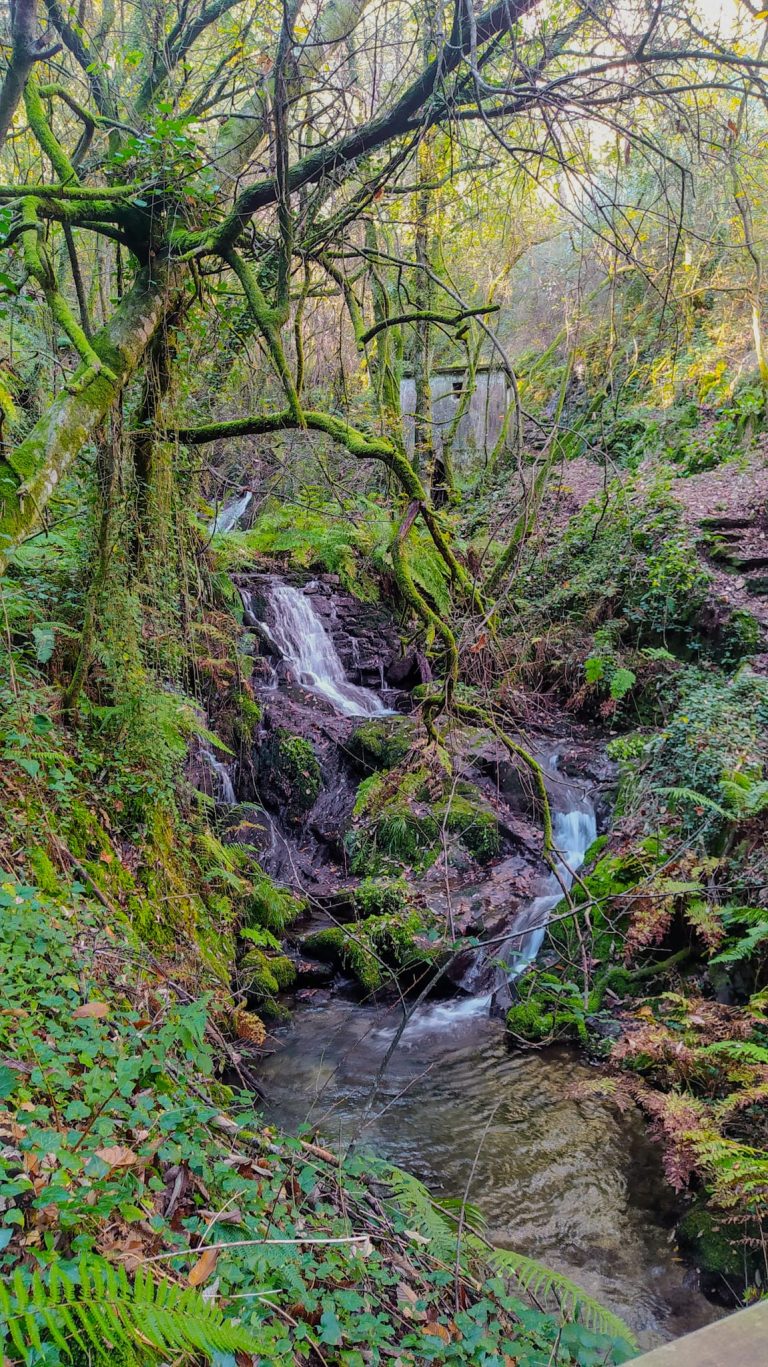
x: 288, y: 773
x: 377, y: 951
x: 382, y: 742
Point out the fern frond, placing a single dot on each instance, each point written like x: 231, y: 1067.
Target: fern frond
x: 437, y: 1222
x: 738, y: 1051
x: 679, y: 794
x: 99, y: 1308
x: 545, y: 1285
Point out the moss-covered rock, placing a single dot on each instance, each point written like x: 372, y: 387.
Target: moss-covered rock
x: 382, y: 742
x: 264, y: 976
x: 380, y: 897
x: 708, y: 1243
x: 529, y: 1021
x: 402, y: 819
x: 288, y: 773
x: 465, y: 813
x: 376, y: 951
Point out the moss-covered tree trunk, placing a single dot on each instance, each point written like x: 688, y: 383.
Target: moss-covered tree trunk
x: 30, y: 472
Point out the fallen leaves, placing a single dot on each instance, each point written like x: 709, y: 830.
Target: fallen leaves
x: 118, y: 1156
x: 91, y: 1011
x: 203, y: 1268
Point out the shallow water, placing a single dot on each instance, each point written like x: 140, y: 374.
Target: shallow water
x: 563, y: 1178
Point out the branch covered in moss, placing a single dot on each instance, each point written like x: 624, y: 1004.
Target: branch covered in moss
x: 425, y: 316
x: 269, y: 321
x: 40, y: 268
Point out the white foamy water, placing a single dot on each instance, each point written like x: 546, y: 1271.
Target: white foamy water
x: 225, y: 792
x: 229, y: 516
x: 307, y: 647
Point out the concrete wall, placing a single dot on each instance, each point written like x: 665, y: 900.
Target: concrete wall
x: 740, y: 1340
x: 479, y: 428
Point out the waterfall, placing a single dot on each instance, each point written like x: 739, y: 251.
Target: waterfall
x: 307, y: 647
x: 573, y: 831
x: 225, y: 792
x: 229, y: 516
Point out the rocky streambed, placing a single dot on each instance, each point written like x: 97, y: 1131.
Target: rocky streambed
x: 394, y: 857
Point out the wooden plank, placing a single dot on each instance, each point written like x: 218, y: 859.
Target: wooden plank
x: 739, y: 1340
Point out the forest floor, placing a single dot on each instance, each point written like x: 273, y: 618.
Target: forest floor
x: 732, y: 491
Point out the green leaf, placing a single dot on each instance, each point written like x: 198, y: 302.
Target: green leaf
x: 45, y: 640
x: 9, y: 1080
x: 330, y: 1328
x: 621, y: 682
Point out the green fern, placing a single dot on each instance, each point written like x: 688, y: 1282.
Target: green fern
x: 737, y: 1051
x: 544, y: 1285
x: 679, y: 794
x: 437, y: 1222
x: 751, y: 921
x: 99, y: 1309
x: 746, y: 795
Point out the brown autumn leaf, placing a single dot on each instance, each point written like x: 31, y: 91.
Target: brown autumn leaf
x: 407, y: 1300
x: 118, y: 1156
x: 438, y: 1331
x: 203, y: 1267
x: 91, y: 1011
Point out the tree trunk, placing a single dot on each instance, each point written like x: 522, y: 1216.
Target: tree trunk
x: 30, y: 473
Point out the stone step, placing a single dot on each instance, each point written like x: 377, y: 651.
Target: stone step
x: 758, y: 585
x: 740, y: 1340
x: 740, y: 561
x: 749, y: 562
x: 722, y: 522
x: 729, y: 536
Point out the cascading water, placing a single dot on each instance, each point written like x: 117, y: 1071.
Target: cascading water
x: 486, y: 981
x: 562, y: 1178
x: 225, y: 791
x: 229, y: 516
x: 574, y: 832
x: 307, y: 647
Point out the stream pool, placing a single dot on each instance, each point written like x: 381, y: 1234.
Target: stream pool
x: 562, y: 1176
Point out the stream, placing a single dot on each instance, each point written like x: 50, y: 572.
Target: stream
x: 558, y: 1173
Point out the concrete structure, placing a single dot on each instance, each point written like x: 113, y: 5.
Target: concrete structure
x: 739, y: 1340
x: 481, y: 425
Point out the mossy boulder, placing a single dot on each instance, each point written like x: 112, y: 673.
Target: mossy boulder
x: 466, y: 814
x: 377, y: 951
x: 288, y: 773
x: 529, y: 1021
x: 264, y: 976
x: 709, y: 1245
x: 382, y: 742
x: 402, y: 819
x: 549, y: 1009
x: 380, y: 897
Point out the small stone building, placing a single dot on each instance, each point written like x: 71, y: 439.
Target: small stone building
x: 480, y: 426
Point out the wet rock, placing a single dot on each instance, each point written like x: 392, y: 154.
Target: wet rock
x: 314, y: 996
x: 604, y: 1026
x: 409, y: 670
x: 313, y: 973
x: 288, y: 772
x: 284, y: 674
